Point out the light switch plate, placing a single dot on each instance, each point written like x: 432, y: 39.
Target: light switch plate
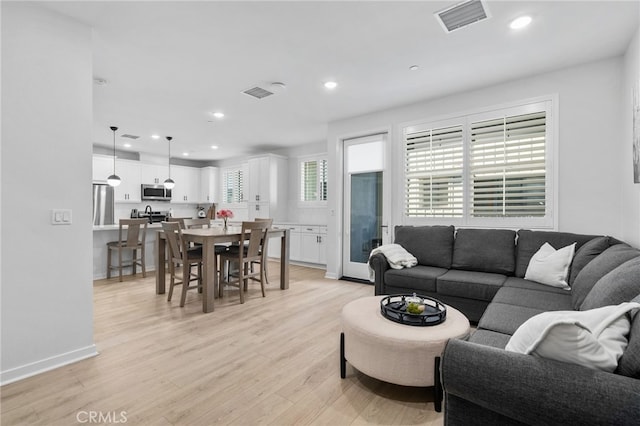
x: 61, y: 217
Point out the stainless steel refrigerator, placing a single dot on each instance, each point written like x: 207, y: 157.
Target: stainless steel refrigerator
x: 103, y: 204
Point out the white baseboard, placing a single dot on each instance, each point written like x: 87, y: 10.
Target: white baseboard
x: 331, y: 276
x: 37, y: 367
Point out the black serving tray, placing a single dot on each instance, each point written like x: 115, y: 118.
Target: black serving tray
x: 394, y: 308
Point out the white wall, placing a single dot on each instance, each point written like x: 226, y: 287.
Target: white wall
x: 630, y: 192
x: 316, y: 215
x: 590, y: 128
x: 47, y: 293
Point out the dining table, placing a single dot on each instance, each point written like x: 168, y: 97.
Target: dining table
x: 209, y: 237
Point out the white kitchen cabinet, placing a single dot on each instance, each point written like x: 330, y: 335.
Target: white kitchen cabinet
x: 312, y: 244
x: 153, y: 173
x: 267, y: 185
x: 102, y: 167
x: 129, y: 188
x: 209, y: 185
x: 294, y: 242
x: 306, y: 243
x: 259, y: 179
x: 187, y: 189
x: 259, y: 211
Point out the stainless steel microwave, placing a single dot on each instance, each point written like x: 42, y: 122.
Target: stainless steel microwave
x: 155, y: 192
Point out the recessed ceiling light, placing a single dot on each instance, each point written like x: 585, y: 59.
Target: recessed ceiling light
x: 214, y: 146
x: 218, y: 114
x: 127, y: 145
x: 186, y: 154
x: 330, y: 85
x: 414, y: 67
x: 155, y: 136
x: 278, y: 86
x: 520, y: 22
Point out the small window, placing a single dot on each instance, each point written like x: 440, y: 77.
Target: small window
x: 232, y: 189
x: 313, y: 180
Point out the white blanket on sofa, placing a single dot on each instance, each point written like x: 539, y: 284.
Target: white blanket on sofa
x: 396, y: 255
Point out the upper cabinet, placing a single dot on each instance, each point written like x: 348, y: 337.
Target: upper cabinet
x: 102, y: 167
x: 209, y: 185
x: 154, y: 173
x: 129, y: 188
x: 187, y: 189
x: 267, y: 187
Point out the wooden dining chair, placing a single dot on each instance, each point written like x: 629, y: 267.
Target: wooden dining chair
x: 197, y: 223
x: 254, y: 234
x: 265, y: 247
x: 181, y: 254
x: 180, y: 220
x: 133, y: 241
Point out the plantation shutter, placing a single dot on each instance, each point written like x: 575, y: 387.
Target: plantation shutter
x: 309, y: 180
x: 233, y: 186
x: 323, y: 180
x: 433, y: 172
x: 313, y: 180
x: 507, y: 167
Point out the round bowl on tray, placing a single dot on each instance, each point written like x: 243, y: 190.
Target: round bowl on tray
x: 394, y: 308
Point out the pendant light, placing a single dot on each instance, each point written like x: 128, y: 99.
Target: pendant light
x: 114, y: 179
x: 169, y: 183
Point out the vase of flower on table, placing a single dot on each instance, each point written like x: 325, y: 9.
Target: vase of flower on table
x: 224, y: 214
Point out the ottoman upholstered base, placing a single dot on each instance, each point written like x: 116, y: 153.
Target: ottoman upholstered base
x: 392, y: 352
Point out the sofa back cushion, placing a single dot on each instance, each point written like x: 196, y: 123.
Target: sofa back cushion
x: 620, y: 285
x: 600, y: 266
x: 431, y: 245
x: 485, y: 250
x: 589, y: 251
x: 529, y: 242
x: 629, y: 362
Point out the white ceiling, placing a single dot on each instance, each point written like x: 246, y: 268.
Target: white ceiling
x: 169, y: 65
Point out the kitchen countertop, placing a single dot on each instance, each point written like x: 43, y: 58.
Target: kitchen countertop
x: 158, y: 226
x: 116, y: 227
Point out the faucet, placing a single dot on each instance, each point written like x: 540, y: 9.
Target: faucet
x: 148, y: 209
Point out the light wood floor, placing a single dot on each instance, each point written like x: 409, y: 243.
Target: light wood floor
x: 271, y: 361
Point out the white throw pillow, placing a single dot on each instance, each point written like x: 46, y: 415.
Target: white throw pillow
x: 595, y: 338
x: 550, y: 266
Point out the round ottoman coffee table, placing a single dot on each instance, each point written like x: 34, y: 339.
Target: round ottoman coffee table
x: 396, y: 353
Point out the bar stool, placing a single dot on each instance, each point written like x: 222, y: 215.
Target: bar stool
x: 136, y: 230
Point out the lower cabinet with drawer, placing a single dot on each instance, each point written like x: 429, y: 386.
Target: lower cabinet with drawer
x: 306, y: 243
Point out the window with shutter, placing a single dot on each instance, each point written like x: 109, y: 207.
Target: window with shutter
x: 313, y: 180
x: 233, y: 186
x: 434, y: 162
x: 487, y: 169
x: 507, y: 167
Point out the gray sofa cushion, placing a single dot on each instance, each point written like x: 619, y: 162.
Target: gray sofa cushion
x: 516, y: 282
x: 606, y: 262
x: 506, y: 319
x: 421, y: 278
x: 629, y: 362
x: 490, y: 338
x: 534, y: 299
x: 620, y: 285
x: 485, y: 250
x: 585, y: 254
x: 431, y: 245
x: 469, y: 284
x: 529, y: 242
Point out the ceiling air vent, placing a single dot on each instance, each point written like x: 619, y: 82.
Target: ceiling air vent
x: 258, y: 92
x: 129, y: 136
x: 462, y: 14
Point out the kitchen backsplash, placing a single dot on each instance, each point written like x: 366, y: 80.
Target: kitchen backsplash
x: 123, y: 211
